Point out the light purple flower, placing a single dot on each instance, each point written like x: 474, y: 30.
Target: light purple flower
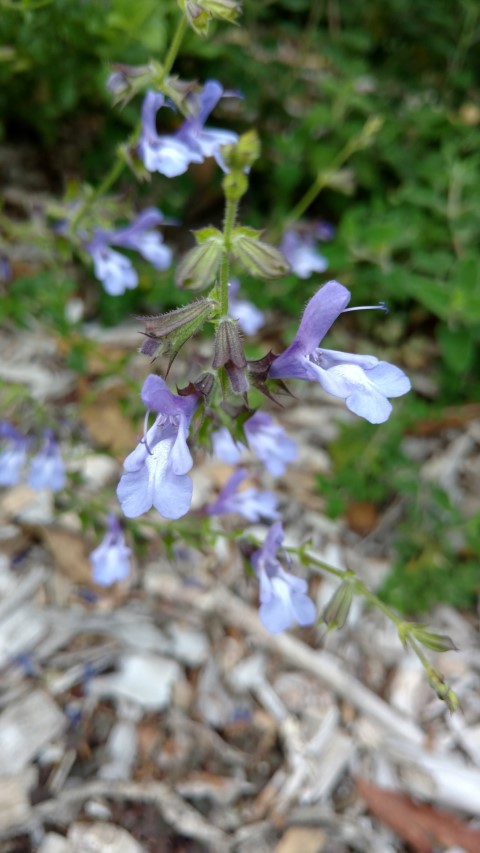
x: 251, y: 503
x: 172, y: 154
x: 302, y: 255
x: 6, y: 274
x: 226, y: 448
x: 156, y: 471
x: 208, y: 141
x: 47, y: 470
x: 13, y: 457
x: 250, y: 318
x: 270, y: 443
x: 362, y: 381
x: 111, y: 560
x: 142, y: 238
x: 265, y: 438
x: 283, y: 597
x: 166, y: 154
x: 324, y: 230
x: 113, y: 269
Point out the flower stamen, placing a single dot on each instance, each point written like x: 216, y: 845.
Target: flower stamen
x: 382, y: 306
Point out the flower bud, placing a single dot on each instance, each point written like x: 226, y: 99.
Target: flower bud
x: 258, y: 258
x: 243, y: 154
x: 337, y: 610
x: 125, y: 81
x: 224, y: 10
x: 238, y: 378
x: 443, y: 691
x: 229, y: 354
x: 167, y: 333
x: 200, y: 265
x: 435, y: 642
x: 234, y: 185
x: 369, y: 131
x: 199, y: 12
x: 203, y: 384
x: 340, y: 180
x: 197, y: 17
x: 161, y: 325
x: 228, y: 345
x: 117, y: 83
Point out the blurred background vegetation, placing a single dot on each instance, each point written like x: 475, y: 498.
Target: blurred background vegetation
x: 405, y: 201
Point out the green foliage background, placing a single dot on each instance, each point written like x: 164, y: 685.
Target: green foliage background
x: 406, y: 206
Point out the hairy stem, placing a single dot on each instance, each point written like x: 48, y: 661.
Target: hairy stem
x: 231, y: 207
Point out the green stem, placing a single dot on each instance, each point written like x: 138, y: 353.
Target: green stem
x: 112, y: 175
x: 231, y: 207
x: 110, y: 178
x: 362, y: 590
x: 174, y: 46
x: 423, y: 660
x: 311, y: 561
x: 321, y: 181
x: 359, y: 588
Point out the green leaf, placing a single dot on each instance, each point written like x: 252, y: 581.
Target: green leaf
x: 457, y: 347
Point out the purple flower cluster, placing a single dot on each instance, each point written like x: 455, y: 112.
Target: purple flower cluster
x: 171, y: 154
x: 364, y: 382
x: 266, y: 439
x: 114, y: 269
x: 283, y: 597
x: 46, y: 469
x: 111, y: 560
x: 250, y: 503
x: 156, y: 472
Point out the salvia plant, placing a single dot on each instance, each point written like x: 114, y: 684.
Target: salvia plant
x: 213, y: 405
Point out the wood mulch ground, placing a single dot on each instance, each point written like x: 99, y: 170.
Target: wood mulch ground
x: 159, y: 715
